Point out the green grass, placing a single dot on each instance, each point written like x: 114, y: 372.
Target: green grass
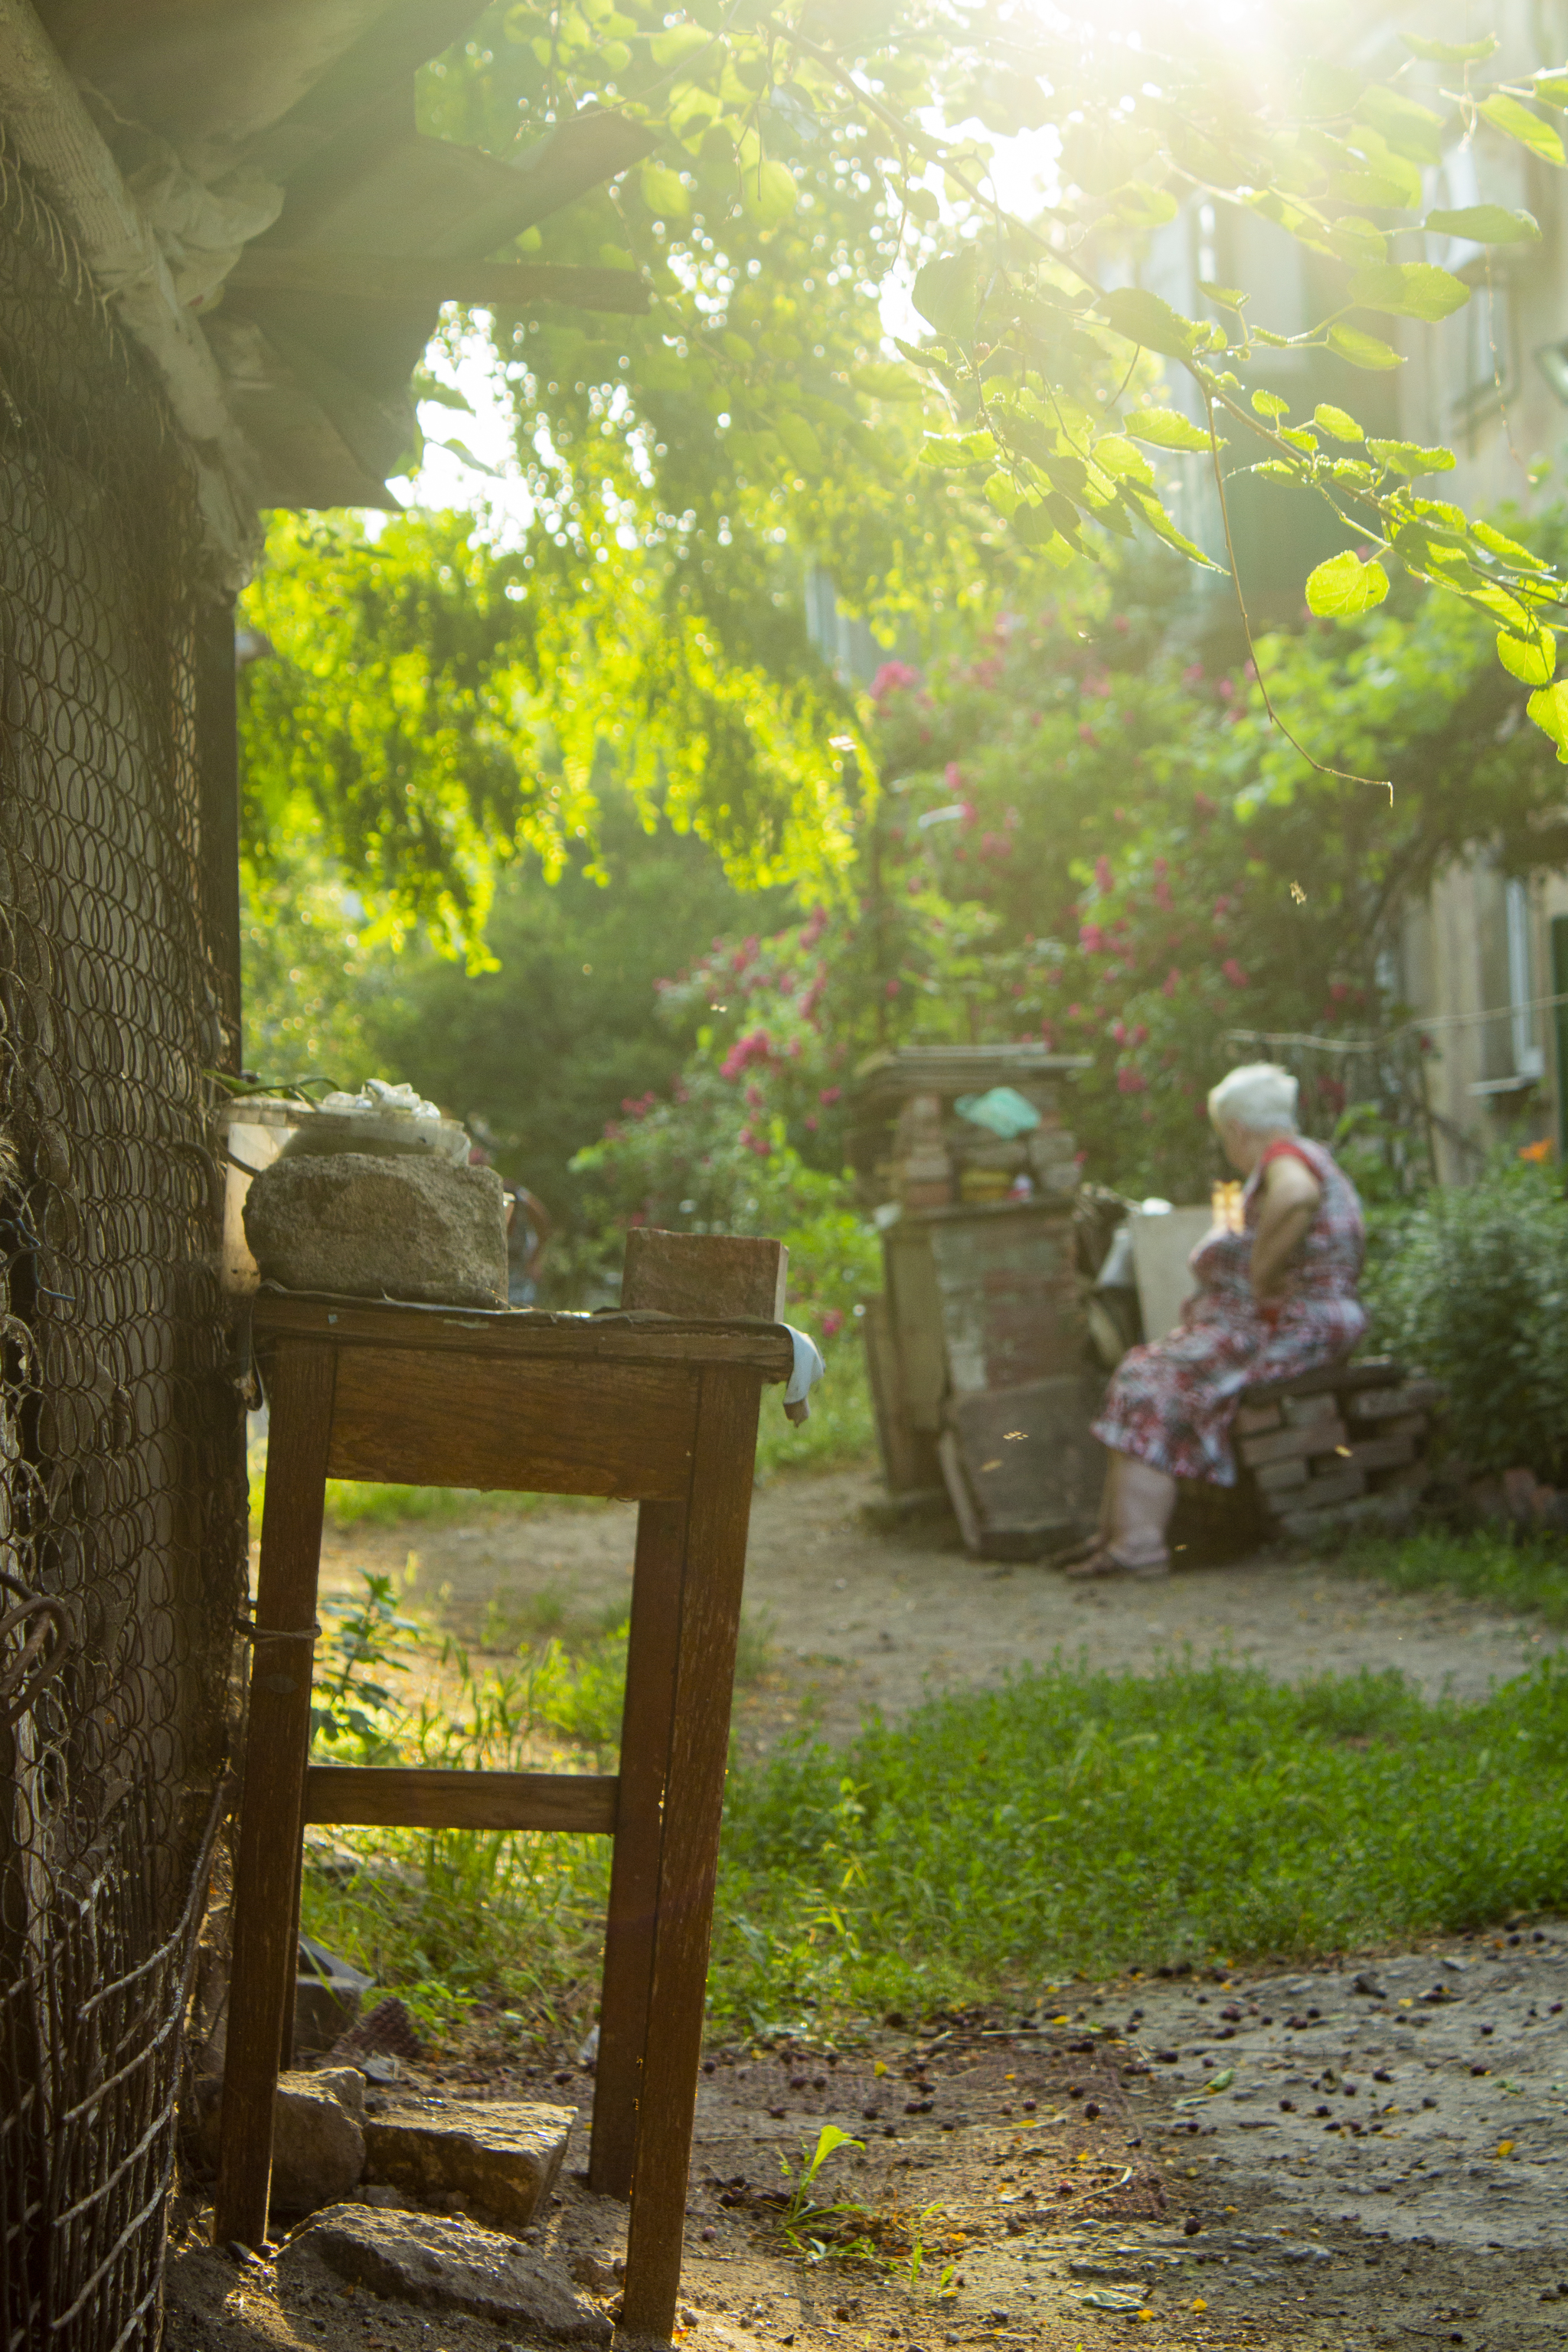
x: 1483, y: 1566
x: 1069, y: 1823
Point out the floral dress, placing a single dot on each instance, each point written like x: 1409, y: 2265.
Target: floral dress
x: 1172, y: 1403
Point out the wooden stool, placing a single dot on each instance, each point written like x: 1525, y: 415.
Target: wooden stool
x: 651, y: 1406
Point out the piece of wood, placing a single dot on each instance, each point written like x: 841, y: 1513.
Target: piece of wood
x: 1382, y: 1453
x: 1291, y: 1444
x: 1254, y: 1419
x: 523, y: 1334
x: 646, y: 1724
x: 375, y: 1797
x: 905, y: 1461
x: 688, y: 1850
x: 704, y: 1274
x: 949, y: 1453
x: 1275, y: 1475
x: 1032, y: 1468
x: 1308, y: 1411
x: 277, y: 1739
x: 1385, y: 1404
x: 1371, y: 1372
x: 413, y: 278
x: 1407, y: 1425
x: 554, y: 1428
x: 1321, y: 1494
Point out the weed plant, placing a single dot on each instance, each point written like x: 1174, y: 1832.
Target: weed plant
x: 1070, y: 1822
x: 1077, y: 1822
x: 1530, y: 1576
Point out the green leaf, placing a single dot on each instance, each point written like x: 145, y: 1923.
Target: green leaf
x: 664, y: 193
x: 1409, y: 457
x: 1549, y: 708
x: 1002, y: 493
x: 1362, y: 350
x: 1167, y: 428
x: 1409, y: 289
x: 1487, y: 224
x: 883, y: 381
x: 770, y: 196
x: 466, y: 456
x: 1119, y: 458
x: 1553, y: 87
x: 1147, y: 507
x: 676, y: 42
x: 1144, y: 318
x: 1451, y: 53
x: 1269, y: 404
x: 1506, y: 114
x: 1229, y: 298
x: 1532, y: 661
x: 1508, y: 550
x: 1410, y: 129
x: 946, y: 294
x: 1357, y: 241
x: 1344, y: 586
x: 1334, y: 421
x: 799, y: 437
x: 956, y: 448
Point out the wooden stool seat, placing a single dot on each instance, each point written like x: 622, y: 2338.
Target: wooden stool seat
x: 655, y: 1408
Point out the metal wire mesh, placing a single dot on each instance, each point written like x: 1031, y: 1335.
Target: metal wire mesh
x: 121, y: 1477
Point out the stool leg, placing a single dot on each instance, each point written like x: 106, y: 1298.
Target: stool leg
x: 652, y: 1656
x: 689, y: 1853
x: 278, y: 1740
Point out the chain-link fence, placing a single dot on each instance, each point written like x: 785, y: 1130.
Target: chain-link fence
x: 122, y: 1479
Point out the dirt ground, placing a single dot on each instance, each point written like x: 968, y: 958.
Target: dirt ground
x: 1362, y: 2154
x: 1366, y: 2153
x: 855, y: 1618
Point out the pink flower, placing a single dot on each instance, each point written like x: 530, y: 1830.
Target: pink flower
x: 1086, y: 735
x: 753, y: 1097
x: 1234, y: 973
x: 891, y: 989
x: 1204, y: 805
x: 953, y: 776
x: 1193, y: 675
x: 811, y: 1121
x: 1131, y: 1082
x: 1172, y: 982
x: 830, y: 1095
x: 1118, y: 1032
x: 831, y: 1323
x: 1092, y: 939
x: 891, y: 678
x: 1141, y: 1034
x: 1103, y: 877
x: 761, y: 1146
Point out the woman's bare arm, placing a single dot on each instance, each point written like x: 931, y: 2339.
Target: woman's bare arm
x: 1290, y: 1196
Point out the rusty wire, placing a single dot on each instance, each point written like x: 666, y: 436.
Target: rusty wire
x: 121, y: 1478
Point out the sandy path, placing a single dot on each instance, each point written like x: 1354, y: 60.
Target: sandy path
x: 857, y: 1619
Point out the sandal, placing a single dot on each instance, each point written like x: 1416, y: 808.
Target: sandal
x: 1102, y: 1562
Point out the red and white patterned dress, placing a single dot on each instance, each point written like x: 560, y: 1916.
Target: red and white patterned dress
x: 1172, y: 1403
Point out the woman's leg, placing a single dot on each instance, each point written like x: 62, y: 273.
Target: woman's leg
x: 1135, y: 1514
x: 1142, y: 1500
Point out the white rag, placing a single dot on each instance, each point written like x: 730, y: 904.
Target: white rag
x: 808, y: 1370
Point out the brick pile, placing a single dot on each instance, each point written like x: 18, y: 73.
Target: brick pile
x: 1349, y: 1440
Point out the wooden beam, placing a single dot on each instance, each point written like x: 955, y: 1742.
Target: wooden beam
x: 361, y: 1796
x: 410, y: 277
x: 521, y: 1333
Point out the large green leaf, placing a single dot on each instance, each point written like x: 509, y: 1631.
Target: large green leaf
x: 665, y: 193
x: 1532, y: 660
x: 1144, y: 319
x: 1410, y: 129
x: 1345, y: 586
x: 1408, y: 457
x: 946, y: 294
x: 1409, y: 289
x: 1362, y: 350
x: 1451, y: 53
x: 1506, y: 114
x: 1167, y: 428
x: 1549, y: 708
x: 1487, y: 223
x: 1334, y: 421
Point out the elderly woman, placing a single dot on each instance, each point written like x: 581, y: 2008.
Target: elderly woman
x: 1274, y: 1300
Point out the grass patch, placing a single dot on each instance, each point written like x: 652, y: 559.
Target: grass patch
x: 1069, y: 1824
x: 1532, y: 1576
x: 841, y: 1429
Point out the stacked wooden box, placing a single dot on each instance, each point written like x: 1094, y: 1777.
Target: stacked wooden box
x: 1349, y: 1441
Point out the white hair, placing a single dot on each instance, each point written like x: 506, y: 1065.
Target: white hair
x: 1258, y: 1096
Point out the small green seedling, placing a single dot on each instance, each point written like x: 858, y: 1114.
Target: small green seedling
x: 802, y: 2213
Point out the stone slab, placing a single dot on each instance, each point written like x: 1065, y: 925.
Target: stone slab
x: 440, y: 2264
x: 318, y: 2143
x: 501, y: 2156
x: 360, y: 1228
